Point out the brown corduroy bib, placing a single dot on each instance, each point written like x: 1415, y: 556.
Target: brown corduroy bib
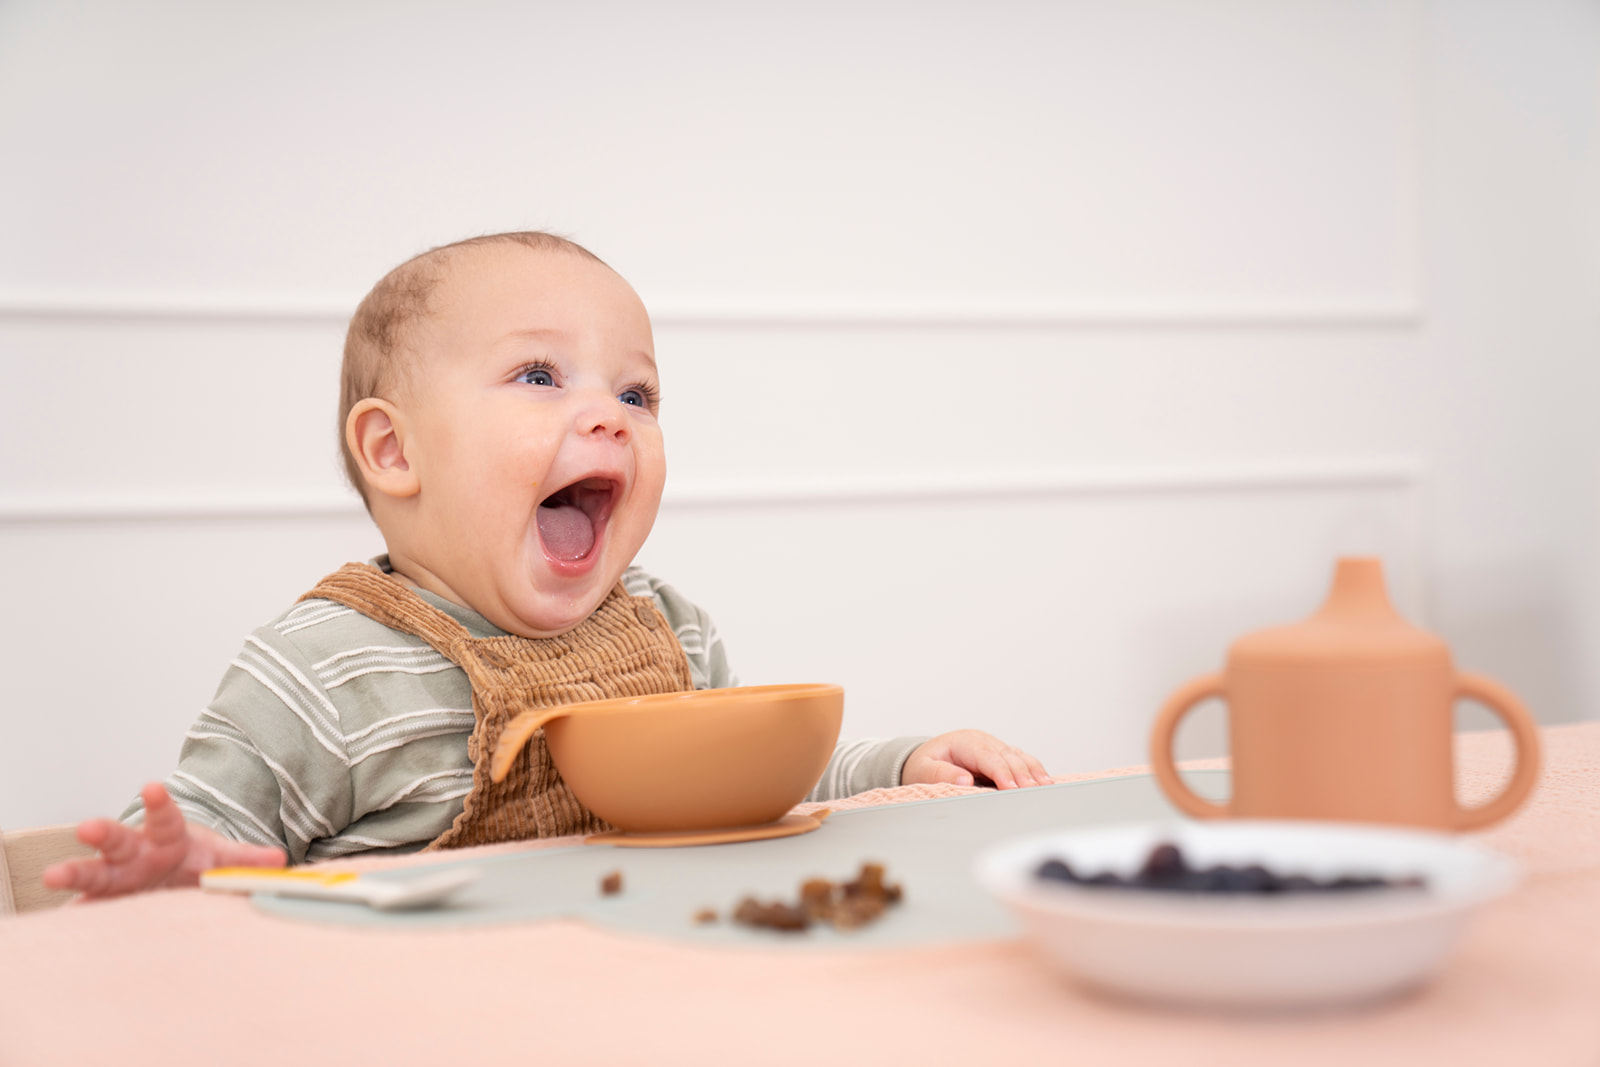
x: 624, y: 649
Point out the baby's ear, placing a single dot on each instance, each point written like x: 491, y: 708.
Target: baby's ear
x: 376, y: 433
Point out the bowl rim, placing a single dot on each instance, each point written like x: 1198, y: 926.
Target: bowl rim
x: 1004, y: 869
x: 768, y: 694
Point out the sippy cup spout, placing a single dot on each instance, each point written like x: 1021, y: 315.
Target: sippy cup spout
x: 1358, y: 593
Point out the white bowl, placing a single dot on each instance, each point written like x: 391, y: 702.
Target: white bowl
x: 1282, y: 951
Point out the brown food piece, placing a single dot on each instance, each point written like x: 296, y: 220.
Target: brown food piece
x: 854, y: 911
x: 705, y: 915
x: 843, y: 905
x: 816, y: 898
x: 869, y: 883
x: 611, y: 884
x: 775, y: 916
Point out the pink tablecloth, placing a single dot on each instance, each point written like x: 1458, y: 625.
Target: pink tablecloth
x: 182, y: 977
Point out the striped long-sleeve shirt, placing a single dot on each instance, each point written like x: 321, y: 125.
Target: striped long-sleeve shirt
x: 332, y: 733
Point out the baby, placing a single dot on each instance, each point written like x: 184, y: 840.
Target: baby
x: 499, y: 406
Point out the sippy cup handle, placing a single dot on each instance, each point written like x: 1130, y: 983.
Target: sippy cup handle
x: 1524, y: 735
x: 1166, y: 728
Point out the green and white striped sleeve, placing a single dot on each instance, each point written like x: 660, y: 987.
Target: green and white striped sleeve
x: 266, y: 760
x: 329, y: 734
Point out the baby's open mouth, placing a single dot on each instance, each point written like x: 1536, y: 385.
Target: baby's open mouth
x: 570, y: 517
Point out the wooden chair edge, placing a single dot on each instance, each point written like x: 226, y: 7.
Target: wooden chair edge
x: 24, y: 854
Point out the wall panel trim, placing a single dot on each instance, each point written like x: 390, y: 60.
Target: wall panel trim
x: 259, y: 309
x: 1394, y: 472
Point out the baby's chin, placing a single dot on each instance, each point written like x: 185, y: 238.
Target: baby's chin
x: 551, y: 608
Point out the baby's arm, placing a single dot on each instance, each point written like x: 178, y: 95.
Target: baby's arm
x: 164, y: 852
x: 227, y: 780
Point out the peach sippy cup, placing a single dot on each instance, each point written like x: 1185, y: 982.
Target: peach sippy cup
x: 1348, y: 715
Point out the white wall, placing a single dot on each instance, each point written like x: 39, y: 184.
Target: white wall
x: 1017, y: 356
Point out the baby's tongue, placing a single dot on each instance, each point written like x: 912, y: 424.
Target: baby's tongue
x: 566, y: 531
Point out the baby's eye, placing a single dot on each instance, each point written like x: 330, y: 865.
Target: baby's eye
x: 536, y: 375
x: 640, y: 396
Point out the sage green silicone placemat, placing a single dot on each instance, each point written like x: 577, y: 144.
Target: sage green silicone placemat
x: 928, y: 846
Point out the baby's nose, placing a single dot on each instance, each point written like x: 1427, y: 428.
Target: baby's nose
x: 604, y: 416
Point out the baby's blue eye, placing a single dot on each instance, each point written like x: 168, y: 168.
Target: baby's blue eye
x: 634, y: 397
x: 537, y: 376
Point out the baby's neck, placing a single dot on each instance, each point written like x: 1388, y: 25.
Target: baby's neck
x: 436, y: 587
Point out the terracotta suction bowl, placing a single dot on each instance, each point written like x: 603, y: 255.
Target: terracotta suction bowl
x: 677, y: 762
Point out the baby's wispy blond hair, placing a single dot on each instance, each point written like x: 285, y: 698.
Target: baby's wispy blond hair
x: 379, y: 347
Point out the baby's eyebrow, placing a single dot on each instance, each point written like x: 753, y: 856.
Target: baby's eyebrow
x: 537, y: 333
x: 533, y: 333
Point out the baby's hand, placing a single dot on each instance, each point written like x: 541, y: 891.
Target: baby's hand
x: 959, y: 756
x: 165, y: 852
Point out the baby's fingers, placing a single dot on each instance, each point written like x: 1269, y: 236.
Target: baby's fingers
x: 163, y: 823
x: 259, y: 856
x: 219, y: 851
x: 990, y: 763
x: 1021, y: 773
x: 1011, y: 771
x: 1007, y: 767
x: 79, y: 875
x: 115, y: 842
x: 91, y: 877
x: 943, y: 773
x: 63, y: 875
x: 1015, y: 772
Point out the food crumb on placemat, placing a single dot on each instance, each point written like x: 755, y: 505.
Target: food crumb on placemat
x: 842, y: 905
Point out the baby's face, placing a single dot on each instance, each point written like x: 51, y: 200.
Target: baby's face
x: 531, y: 428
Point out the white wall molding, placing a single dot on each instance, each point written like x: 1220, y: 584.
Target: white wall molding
x: 181, y: 505
x: 1399, y: 472
x: 136, y: 307
x: 299, y: 310
x: 1109, y: 480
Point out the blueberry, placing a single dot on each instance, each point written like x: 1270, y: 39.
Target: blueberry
x: 1227, y: 879
x: 1355, y: 882
x: 1257, y: 879
x: 1165, y: 866
x: 1054, y: 870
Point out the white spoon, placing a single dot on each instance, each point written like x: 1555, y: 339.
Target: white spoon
x: 421, y: 891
